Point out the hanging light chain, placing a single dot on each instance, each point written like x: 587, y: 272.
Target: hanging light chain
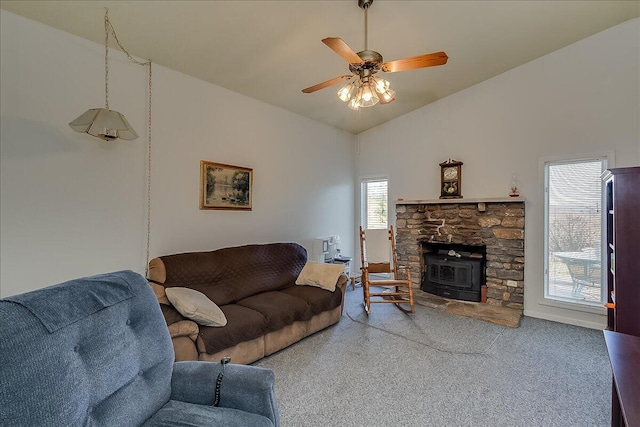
x: 108, y: 28
x: 148, y: 171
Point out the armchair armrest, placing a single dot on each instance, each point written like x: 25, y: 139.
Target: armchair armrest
x: 247, y: 388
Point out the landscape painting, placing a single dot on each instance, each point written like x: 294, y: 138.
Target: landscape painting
x: 225, y: 186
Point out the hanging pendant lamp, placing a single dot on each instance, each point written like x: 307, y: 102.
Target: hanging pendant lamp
x: 105, y: 123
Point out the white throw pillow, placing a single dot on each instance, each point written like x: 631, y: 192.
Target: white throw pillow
x: 320, y: 274
x: 196, y: 306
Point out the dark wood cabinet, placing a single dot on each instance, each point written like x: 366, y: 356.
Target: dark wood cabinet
x: 624, y: 354
x: 622, y: 186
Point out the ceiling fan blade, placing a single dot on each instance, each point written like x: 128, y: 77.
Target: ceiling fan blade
x: 341, y: 48
x: 420, y: 61
x: 326, y: 84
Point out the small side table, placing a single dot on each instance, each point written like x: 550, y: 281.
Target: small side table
x: 354, y: 280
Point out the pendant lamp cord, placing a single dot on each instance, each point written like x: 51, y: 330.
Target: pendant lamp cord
x: 108, y: 29
x: 146, y: 271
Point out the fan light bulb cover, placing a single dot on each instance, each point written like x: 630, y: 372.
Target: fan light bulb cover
x: 381, y: 85
x: 347, y: 92
x: 368, y: 97
x: 104, y: 124
x: 388, y: 95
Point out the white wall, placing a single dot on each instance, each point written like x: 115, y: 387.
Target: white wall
x: 72, y: 205
x: 576, y: 101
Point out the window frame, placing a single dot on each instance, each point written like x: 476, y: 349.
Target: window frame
x: 364, y: 199
x: 607, y: 160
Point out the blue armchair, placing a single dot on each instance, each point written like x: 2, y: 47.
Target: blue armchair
x: 96, y: 352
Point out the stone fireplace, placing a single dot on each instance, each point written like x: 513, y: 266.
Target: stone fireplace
x: 494, y: 226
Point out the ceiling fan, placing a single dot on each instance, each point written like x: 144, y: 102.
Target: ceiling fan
x: 363, y: 89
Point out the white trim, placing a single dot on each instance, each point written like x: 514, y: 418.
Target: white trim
x: 573, y: 306
x: 373, y: 178
x: 567, y: 320
x: 609, y: 155
x: 609, y: 159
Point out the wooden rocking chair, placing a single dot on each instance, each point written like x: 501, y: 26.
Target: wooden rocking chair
x: 378, y: 256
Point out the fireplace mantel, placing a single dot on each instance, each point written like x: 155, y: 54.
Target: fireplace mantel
x: 460, y: 201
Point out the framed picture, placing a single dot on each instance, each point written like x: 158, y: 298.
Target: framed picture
x: 225, y: 186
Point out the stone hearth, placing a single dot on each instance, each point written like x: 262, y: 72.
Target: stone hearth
x: 496, y: 223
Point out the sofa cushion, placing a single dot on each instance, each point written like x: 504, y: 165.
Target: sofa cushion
x: 278, y: 308
x: 319, y: 300
x: 230, y: 274
x: 243, y: 324
x: 196, y: 306
x: 182, y: 414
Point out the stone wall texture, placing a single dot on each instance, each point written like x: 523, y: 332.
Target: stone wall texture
x: 498, y: 226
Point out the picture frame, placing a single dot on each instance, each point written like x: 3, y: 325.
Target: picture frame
x: 225, y: 187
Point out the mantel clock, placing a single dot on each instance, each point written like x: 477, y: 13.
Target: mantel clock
x: 450, y: 179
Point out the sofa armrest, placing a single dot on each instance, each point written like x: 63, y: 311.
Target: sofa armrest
x: 342, y: 281
x: 184, y: 328
x: 183, y: 332
x: 247, y: 388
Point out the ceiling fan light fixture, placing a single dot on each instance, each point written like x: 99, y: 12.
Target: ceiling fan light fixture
x: 354, y: 104
x: 381, y: 84
x: 367, y: 95
x: 347, y: 91
x: 388, y: 96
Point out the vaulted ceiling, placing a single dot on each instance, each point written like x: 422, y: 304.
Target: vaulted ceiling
x: 270, y: 50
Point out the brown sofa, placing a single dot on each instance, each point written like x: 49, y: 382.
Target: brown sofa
x: 254, y: 285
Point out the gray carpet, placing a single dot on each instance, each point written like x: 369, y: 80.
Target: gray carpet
x: 433, y: 368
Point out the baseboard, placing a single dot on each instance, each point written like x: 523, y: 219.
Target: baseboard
x: 567, y: 320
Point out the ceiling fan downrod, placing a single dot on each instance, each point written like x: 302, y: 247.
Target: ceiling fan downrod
x: 364, y: 4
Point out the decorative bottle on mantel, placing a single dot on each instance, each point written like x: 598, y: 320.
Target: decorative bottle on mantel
x: 514, y: 186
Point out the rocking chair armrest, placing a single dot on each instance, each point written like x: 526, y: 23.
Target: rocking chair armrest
x: 406, y: 268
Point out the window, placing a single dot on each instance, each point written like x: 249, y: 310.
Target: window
x: 375, y: 206
x: 573, y: 231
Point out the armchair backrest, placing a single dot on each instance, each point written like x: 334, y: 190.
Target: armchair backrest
x: 92, y: 351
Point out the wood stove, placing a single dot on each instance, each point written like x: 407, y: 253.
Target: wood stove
x: 453, y: 270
